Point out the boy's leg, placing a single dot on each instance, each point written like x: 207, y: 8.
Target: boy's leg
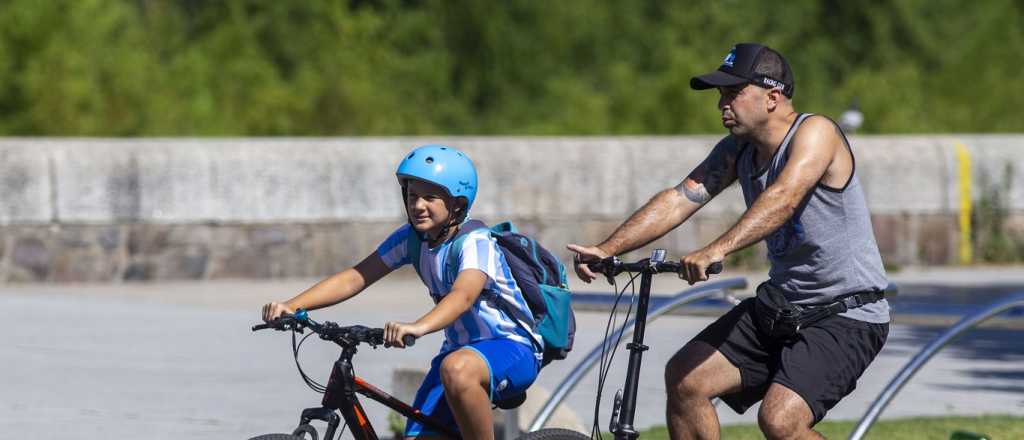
x: 467, y: 387
x: 484, y: 372
x: 430, y: 400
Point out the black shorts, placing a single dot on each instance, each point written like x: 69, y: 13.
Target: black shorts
x: 822, y: 364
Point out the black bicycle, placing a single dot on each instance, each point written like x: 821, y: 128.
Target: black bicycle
x: 340, y: 394
x: 624, y: 407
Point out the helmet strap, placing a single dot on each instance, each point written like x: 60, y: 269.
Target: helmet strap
x: 452, y: 220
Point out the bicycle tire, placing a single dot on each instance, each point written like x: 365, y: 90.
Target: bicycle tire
x: 277, y: 437
x: 301, y: 432
x: 554, y: 434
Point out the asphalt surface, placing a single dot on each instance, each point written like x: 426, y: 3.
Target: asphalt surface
x: 178, y: 360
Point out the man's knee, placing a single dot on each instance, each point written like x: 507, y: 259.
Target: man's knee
x: 463, y: 369
x: 784, y: 414
x: 696, y: 371
x: 777, y: 425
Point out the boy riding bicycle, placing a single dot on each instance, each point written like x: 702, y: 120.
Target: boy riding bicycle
x: 486, y: 356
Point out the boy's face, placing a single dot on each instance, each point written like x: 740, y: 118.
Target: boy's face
x: 427, y: 205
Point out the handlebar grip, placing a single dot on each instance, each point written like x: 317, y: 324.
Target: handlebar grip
x: 714, y: 268
x: 261, y: 327
x: 409, y: 340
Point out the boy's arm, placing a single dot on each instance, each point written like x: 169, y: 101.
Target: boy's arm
x: 333, y: 289
x: 667, y: 209
x: 465, y: 291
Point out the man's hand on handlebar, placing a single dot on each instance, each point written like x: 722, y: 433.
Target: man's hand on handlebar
x: 396, y: 334
x: 274, y: 309
x: 695, y: 265
x: 584, y: 255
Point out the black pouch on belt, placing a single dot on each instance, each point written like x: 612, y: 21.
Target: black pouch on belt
x: 776, y: 316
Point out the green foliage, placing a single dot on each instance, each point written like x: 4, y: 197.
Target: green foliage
x: 993, y: 241
x: 528, y: 67
x: 396, y: 424
x: 917, y: 428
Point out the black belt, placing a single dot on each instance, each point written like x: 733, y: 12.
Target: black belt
x: 812, y: 314
x: 779, y: 318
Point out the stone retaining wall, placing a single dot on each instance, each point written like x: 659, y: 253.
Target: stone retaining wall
x: 140, y: 209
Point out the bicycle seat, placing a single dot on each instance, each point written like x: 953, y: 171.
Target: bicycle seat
x: 511, y: 402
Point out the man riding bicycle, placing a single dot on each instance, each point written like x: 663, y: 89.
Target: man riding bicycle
x: 820, y: 319
x: 486, y: 356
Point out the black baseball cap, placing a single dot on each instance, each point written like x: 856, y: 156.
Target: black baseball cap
x: 749, y: 63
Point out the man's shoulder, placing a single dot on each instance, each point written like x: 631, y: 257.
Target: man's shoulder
x: 730, y: 142
x: 819, y: 126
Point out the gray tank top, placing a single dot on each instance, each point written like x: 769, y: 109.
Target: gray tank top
x: 827, y: 248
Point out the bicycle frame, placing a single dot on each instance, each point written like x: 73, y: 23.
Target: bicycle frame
x: 341, y: 396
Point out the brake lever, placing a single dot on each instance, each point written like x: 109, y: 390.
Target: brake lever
x: 608, y: 268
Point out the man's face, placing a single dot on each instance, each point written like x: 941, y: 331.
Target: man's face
x: 742, y: 107
x: 427, y: 205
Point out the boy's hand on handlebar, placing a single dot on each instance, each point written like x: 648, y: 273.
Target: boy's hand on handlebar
x: 695, y: 265
x: 274, y: 309
x: 584, y: 255
x: 395, y: 331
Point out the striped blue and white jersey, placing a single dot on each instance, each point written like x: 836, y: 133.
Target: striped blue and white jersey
x: 484, y: 319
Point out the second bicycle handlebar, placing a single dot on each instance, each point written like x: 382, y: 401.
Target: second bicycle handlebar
x: 344, y: 335
x: 612, y: 266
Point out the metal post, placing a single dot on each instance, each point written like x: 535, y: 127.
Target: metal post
x: 925, y: 354
x: 511, y: 429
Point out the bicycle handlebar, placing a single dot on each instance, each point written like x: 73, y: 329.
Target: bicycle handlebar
x: 344, y: 335
x: 612, y: 266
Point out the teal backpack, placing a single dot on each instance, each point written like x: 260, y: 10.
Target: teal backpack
x: 540, y: 276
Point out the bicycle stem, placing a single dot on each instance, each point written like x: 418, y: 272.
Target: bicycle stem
x: 624, y: 428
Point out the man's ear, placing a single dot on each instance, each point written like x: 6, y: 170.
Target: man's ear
x: 775, y: 98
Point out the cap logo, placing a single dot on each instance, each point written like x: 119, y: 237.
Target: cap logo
x: 730, y: 58
x: 772, y: 83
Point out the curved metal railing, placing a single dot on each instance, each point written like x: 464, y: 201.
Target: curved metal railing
x: 705, y: 290
x: 926, y: 353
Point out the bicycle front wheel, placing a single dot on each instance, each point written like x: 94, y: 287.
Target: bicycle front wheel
x: 554, y: 434
x: 277, y: 437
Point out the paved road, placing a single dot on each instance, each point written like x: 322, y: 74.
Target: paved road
x: 177, y: 360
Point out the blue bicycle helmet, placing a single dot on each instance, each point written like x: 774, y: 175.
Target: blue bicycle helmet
x: 441, y: 165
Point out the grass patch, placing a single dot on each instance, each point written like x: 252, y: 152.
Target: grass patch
x: 930, y: 428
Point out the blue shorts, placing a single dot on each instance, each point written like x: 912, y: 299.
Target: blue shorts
x: 513, y: 368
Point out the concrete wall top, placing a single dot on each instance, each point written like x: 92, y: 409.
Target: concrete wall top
x: 320, y: 179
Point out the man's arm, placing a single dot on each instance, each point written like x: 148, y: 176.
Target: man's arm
x: 667, y: 209
x: 810, y: 155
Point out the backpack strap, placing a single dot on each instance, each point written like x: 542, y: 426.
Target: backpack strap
x: 451, y: 271
x: 518, y: 318
x: 412, y: 249
x: 451, y: 265
x: 413, y: 245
